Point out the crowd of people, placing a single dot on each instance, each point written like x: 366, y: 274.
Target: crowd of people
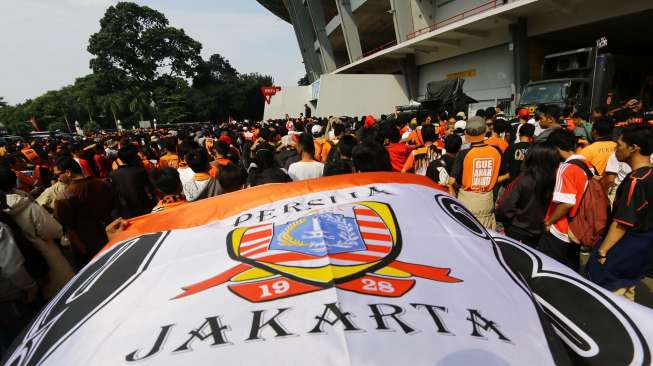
x: 541, y: 178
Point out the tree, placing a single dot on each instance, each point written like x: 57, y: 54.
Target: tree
x: 3, y: 103
x: 304, y: 81
x: 216, y: 70
x: 91, y: 126
x: 137, y: 42
x: 139, y: 104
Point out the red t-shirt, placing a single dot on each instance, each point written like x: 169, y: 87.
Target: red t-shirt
x: 398, y: 154
x: 571, y: 182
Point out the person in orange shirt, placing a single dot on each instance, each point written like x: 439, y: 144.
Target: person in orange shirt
x: 338, y: 132
x: 168, y: 186
x: 170, y: 158
x: 598, y: 153
x: 497, y: 139
x: 420, y: 158
x: 475, y: 171
x: 415, y: 138
x: 220, y: 151
x: 397, y: 151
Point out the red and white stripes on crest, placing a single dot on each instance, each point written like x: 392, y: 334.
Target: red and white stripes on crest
x: 256, y: 239
x: 255, y: 245
x: 375, y: 234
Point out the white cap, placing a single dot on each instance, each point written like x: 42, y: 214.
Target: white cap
x: 462, y: 114
x: 460, y: 125
x: 316, y: 129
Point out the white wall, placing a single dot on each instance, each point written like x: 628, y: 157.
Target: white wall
x: 493, y: 67
x: 290, y: 100
x: 356, y: 95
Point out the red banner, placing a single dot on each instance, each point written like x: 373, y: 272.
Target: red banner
x: 269, y: 91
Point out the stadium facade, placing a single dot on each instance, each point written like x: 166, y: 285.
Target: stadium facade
x: 364, y: 56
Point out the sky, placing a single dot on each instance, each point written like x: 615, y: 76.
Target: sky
x: 43, y: 42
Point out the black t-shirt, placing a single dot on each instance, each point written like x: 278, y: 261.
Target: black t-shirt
x: 633, y: 206
x: 513, y: 159
x: 444, y: 162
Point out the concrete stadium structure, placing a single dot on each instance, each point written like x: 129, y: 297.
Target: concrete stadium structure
x: 496, y: 46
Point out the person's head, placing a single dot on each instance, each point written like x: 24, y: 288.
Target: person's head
x: 541, y: 164
x: 526, y: 132
x: 500, y: 126
x: 232, y: 178
x: 7, y: 179
x: 475, y: 129
x: 221, y: 149
x: 170, y: 144
x: 636, y: 142
x: 66, y: 169
x: 498, y: 109
x: 371, y: 157
x: 197, y: 160
x: 490, y: 112
x: 429, y: 134
x: 389, y: 132
x: 77, y: 149
x: 338, y: 129
x: 480, y: 113
x: 305, y: 145
x: 346, y: 145
x: 167, y: 181
x: 523, y: 114
x: 549, y: 115
x: 598, y: 113
x: 186, y: 147
x: 564, y: 140
x: 453, y: 143
x: 427, y: 120
x: 128, y: 155
x: 264, y: 159
x: 602, y: 128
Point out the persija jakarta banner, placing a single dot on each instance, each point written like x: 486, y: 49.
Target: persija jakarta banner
x: 366, y: 269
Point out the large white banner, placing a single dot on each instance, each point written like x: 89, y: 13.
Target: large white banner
x: 354, y: 270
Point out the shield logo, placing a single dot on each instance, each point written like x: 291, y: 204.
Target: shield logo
x: 352, y: 247
x: 328, y: 246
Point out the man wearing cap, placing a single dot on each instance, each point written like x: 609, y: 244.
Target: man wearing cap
x: 475, y: 172
x: 523, y: 116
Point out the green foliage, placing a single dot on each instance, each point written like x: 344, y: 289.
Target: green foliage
x: 91, y: 126
x: 140, y: 70
x: 137, y: 42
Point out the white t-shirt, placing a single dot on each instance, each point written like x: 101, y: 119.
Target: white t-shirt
x: 305, y: 170
x: 616, y: 167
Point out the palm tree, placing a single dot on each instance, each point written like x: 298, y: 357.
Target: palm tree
x: 139, y: 104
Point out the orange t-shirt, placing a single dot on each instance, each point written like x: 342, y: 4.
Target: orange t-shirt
x: 599, y: 153
x: 500, y: 143
x: 169, y: 161
x: 476, y: 169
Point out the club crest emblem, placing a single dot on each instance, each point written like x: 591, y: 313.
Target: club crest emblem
x: 352, y: 247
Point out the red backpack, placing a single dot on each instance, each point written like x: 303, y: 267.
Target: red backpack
x: 590, y: 223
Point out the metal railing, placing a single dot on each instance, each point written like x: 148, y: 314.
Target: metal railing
x: 456, y: 18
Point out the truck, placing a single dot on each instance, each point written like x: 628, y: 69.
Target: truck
x: 586, y: 78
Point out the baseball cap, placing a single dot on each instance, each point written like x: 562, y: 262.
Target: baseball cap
x: 460, y: 125
x: 523, y: 113
x: 476, y: 126
x: 316, y: 129
x: 461, y: 114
